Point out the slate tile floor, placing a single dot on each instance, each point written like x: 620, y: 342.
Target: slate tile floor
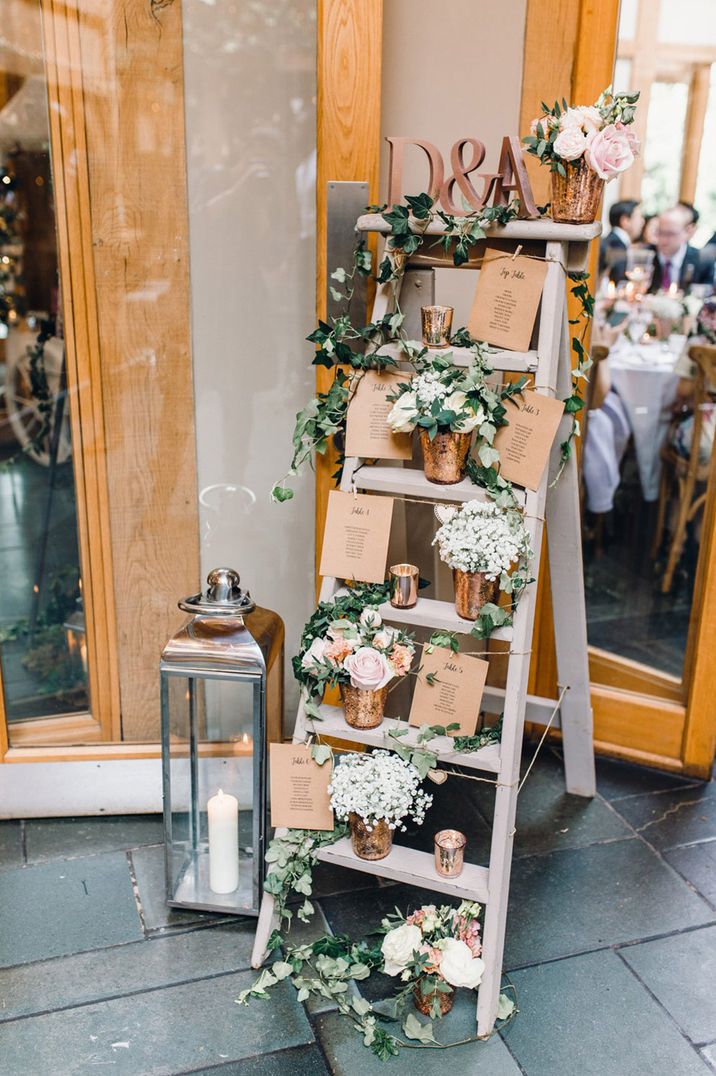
x: 611, y: 946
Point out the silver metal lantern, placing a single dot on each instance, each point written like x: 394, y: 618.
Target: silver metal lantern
x: 213, y: 679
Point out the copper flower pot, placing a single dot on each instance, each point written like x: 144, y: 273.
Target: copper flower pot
x: 472, y: 591
x: 576, y: 197
x: 445, y: 457
x: 370, y: 844
x: 664, y: 328
x: 363, y: 709
x: 424, y: 1002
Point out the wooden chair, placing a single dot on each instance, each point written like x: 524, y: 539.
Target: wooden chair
x: 687, y: 473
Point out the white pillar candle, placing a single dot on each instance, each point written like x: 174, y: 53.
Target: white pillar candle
x: 223, y: 811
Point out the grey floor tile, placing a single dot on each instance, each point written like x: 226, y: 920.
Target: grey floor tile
x: 329, y: 878
x: 123, y: 969
x: 669, y: 819
x: 303, y: 934
x: 159, y: 1033
x: 681, y: 972
x: 709, y: 1053
x: 61, y: 838
x: 348, y: 1056
x: 697, y: 863
x: 454, y: 806
x: 10, y: 845
x: 548, y: 818
x: 298, y: 1061
x: 589, y: 1016
x: 67, y: 906
x: 148, y: 865
x: 618, y: 779
x: 586, y: 898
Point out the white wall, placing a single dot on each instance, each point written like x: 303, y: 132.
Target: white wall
x: 250, y: 120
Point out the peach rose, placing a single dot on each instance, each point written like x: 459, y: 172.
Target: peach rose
x: 401, y: 659
x: 337, y: 650
x: 608, y: 152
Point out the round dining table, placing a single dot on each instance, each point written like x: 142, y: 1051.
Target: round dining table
x: 643, y: 375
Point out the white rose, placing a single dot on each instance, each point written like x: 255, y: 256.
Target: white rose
x: 591, y: 118
x: 398, y: 948
x: 571, y: 118
x: 314, y: 654
x: 404, y: 413
x: 458, y: 966
x: 371, y: 618
x: 570, y: 143
x: 430, y: 918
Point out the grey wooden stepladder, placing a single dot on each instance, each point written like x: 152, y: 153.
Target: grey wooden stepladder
x: 563, y: 246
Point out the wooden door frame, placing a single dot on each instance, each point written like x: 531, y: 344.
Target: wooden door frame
x: 115, y: 215
x: 670, y: 725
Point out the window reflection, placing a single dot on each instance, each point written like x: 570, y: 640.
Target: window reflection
x: 42, y: 624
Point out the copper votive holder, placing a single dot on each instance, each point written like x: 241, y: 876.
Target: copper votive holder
x: 437, y: 325
x: 450, y: 852
x: 403, y: 585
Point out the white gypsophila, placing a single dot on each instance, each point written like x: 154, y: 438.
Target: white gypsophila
x: 666, y: 307
x: 480, y: 537
x: 378, y: 786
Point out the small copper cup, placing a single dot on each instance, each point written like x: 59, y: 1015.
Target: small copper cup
x: 403, y: 585
x: 450, y: 852
x: 437, y: 325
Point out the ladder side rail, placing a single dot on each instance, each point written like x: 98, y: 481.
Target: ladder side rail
x: 569, y: 605
x: 552, y: 313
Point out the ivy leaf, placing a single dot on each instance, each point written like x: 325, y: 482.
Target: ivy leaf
x: 280, y: 493
x: 413, y: 1029
x: 573, y: 404
x: 281, y: 970
x: 321, y: 753
x: 339, y: 275
x: 505, y: 1007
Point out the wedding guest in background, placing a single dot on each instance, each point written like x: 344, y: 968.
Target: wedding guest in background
x: 626, y: 223
x: 676, y: 262
x: 692, y: 215
x: 650, y: 230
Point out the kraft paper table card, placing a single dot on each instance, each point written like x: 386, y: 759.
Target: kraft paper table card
x: 355, y: 541
x: 524, y: 445
x: 299, y: 788
x: 367, y: 431
x: 506, y: 300
x: 455, y: 693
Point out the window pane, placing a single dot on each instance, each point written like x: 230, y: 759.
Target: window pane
x: 44, y: 647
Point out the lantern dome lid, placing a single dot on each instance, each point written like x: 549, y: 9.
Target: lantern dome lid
x: 223, y: 596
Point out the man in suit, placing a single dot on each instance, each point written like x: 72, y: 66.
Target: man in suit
x: 676, y: 262
x: 626, y: 223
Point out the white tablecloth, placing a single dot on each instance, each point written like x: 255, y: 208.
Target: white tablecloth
x: 643, y: 376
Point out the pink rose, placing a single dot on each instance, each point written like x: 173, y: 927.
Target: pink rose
x: 401, y: 658
x: 369, y: 669
x: 337, y: 650
x: 608, y: 152
x: 570, y: 143
x: 633, y: 141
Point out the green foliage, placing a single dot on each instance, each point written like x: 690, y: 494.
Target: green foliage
x: 291, y: 860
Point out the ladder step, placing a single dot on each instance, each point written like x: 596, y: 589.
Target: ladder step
x: 414, y: 867
x: 334, y: 725
x: 413, y: 483
x: 519, y: 362
x: 541, y: 230
x: 429, y: 613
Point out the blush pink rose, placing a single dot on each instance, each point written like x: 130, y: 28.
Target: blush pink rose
x: 401, y: 658
x: 608, y: 152
x: 570, y: 143
x: 369, y: 669
x: 337, y: 650
x: 634, y: 143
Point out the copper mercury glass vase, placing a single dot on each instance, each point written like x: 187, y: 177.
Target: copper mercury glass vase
x: 445, y: 457
x: 472, y: 591
x: 576, y: 196
x: 363, y: 709
x: 373, y: 843
x: 424, y: 1002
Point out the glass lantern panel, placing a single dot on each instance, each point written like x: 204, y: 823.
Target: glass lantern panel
x: 212, y: 825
